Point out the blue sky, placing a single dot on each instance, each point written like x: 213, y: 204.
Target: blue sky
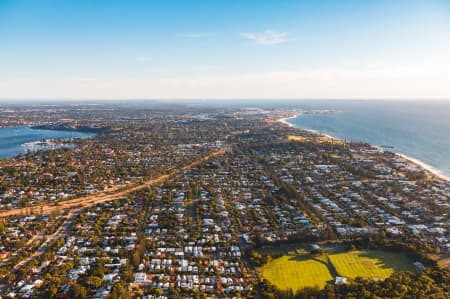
x: 224, y: 49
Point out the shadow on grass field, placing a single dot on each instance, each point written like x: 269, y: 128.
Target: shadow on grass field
x: 373, y: 263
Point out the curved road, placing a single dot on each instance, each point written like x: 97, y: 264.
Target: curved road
x: 82, y: 202
x: 78, y: 204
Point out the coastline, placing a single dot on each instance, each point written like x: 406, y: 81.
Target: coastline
x: 64, y: 127
x: 26, y: 139
x: 284, y: 120
x: 409, y: 159
x: 424, y: 166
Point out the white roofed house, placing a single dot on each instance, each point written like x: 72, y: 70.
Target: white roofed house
x: 141, y: 277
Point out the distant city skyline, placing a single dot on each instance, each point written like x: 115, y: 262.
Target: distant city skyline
x: 224, y: 49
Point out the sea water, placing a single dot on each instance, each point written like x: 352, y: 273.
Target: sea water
x: 418, y: 129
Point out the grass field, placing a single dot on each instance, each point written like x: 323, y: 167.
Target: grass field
x: 300, y: 269
x: 296, y: 271
x: 373, y: 263
x: 319, y: 139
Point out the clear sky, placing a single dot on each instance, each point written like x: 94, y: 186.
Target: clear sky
x: 87, y: 49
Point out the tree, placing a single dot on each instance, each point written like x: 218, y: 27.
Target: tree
x: 119, y: 292
x: 79, y: 291
x: 127, y: 273
x: 2, y: 226
x: 52, y: 291
x: 11, y: 278
x: 158, y: 292
x: 93, y: 281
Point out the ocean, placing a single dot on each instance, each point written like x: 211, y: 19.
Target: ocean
x: 417, y: 129
x: 12, y: 139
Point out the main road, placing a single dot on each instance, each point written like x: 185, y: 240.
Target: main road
x: 77, y: 205
x: 114, y: 193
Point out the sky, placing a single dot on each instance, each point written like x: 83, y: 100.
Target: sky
x: 229, y: 49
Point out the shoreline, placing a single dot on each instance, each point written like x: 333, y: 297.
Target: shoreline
x: 284, y: 120
x: 67, y: 128
x: 424, y: 166
x: 409, y: 159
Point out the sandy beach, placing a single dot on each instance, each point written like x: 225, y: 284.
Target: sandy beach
x: 411, y: 160
x: 284, y: 120
x: 425, y: 166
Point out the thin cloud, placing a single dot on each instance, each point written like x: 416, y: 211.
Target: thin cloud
x: 268, y: 37
x: 196, y: 35
x: 142, y: 59
x: 364, y: 82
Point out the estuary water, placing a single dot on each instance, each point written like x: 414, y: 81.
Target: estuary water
x: 13, y: 140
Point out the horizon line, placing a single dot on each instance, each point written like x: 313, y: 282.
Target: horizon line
x: 228, y: 99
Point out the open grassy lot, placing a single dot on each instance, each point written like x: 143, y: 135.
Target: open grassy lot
x: 296, y: 271
x: 299, y: 268
x: 319, y: 139
x: 373, y: 263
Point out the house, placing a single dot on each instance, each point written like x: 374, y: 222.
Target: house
x: 140, y: 277
x: 340, y: 280
x: 419, y: 266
